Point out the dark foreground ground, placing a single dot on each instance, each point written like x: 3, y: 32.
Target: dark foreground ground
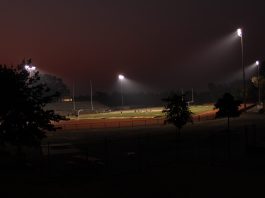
x: 205, y: 161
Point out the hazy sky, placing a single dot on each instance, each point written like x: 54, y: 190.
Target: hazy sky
x: 162, y: 44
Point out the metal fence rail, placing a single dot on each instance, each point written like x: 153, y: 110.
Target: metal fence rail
x: 126, y: 123
x: 118, y: 155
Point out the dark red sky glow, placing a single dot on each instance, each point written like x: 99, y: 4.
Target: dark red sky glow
x: 153, y: 42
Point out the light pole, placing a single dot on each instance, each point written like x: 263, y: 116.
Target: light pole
x: 74, y: 96
x: 91, y: 96
x: 257, y: 64
x: 30, y: 69
x: 240, y: 34
x: 121, y: 78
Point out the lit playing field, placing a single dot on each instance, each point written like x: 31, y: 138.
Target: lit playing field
x: 141, y: 113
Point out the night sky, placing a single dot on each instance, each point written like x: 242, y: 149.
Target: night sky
x: 160, y: 44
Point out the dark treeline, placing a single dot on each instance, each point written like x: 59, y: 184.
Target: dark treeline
x: 133, y: 99
x: 55, y: 84
x: 215, y: 91
x: 211, y: 95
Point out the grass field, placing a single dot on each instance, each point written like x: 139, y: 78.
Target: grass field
x: 140, y: 113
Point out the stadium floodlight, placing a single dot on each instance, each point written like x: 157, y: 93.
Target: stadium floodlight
x: 121, y: 78
x: 240, y: 34
x: 30, y: 69
x: 257, y: 64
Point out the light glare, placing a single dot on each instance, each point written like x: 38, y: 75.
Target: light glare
x: 239, y: 32
x: 257, y: 63
x: 121, y: 77
x: 30, y: 68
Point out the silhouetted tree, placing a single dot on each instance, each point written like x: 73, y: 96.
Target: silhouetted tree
x: 23, y: 120
x: 55, y: 84
x: 177, y: 111
x: 228, y: 107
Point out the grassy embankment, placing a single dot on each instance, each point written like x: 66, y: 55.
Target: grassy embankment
x: 141, y: 113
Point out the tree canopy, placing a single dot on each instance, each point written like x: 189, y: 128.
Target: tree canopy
x: 23, y: 120
x: 177, y: 110
x: 228, y: 107
x: 55, y: 84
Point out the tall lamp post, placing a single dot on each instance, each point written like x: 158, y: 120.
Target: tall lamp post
x: 121, y: 78
x: 257, y: 64
x: 74, y: 107
x: 240, y: 34
x: 91, y: 96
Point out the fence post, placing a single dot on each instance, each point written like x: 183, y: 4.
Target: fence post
x: 212, y: 149
x: 246, y: 137
x: 254, y: 134
x: 139, y: 156
x: 48, y: 153
x: 87, y: 154
x: 106, y: 152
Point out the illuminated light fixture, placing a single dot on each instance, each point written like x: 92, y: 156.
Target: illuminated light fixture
x: 257, y: 63
x: 239, y: 32
x: 121, y: 77
x: 30, y: 68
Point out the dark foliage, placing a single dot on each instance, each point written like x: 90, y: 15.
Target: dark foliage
x: 177, y: 110
x: 55, y: 84
x: 23, y: 120
x: 227, y: 106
